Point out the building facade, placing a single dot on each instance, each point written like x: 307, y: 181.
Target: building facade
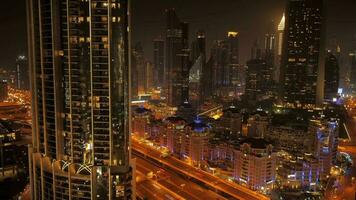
x: 22, y: 73
x: 158, y: 62
x: 255, y: 164
x: 176, y: 73
x: 303, y: 62
x: 79, y: 61
x: 331, y: 81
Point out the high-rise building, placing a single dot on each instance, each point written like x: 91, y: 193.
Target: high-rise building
x: 278, y: 49
x: 219, y: 54
x: 22, y: 73
x: 4, y: 91
x: 270, y: 45
x: 148, y: 76
x: 331, y: 82
x: 158, y: 62
x: 233, y: 60
x: 302, y: 71
x: 79, y: 62
x: 138, y: 67
x: 353, y: 73
x: 259, y: 79
x: 226, y: 71
x: 176, y: 73
x: 199, y: 71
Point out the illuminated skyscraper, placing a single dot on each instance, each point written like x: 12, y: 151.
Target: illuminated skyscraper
x: 22, y: 73
x: 177, y: 66
x: 79, y: 61
x: 278, y: 49
x: 302, y: 71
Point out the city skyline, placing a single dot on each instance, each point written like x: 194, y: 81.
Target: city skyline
x: 215, y: 19
x: 157, y: 100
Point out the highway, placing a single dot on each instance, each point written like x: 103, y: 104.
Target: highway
x: 149, y: 189
x: 228, y: 189
x: 174, y: 182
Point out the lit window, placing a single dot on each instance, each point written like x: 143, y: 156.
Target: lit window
x: 104, y: 39
x: 81, y: 39
x: 80, y: 19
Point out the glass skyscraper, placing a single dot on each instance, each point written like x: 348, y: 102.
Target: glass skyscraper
x: 79, y: 62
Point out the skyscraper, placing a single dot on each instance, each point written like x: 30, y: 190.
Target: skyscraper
x: 302, y: 72
x: 22, y: 73
x: 233, y: 58
x: 79, y: 61
x: 226, y: 76
x: 270, y: 44
x: 278, y: 49
x: 331, y: 82
x: 138, y: 70
x: 158, y: 62
x: 219, y: 53
x: 258, y: 79
x: 199, y: 69
x: 353, y: 73
x: 176, y: 73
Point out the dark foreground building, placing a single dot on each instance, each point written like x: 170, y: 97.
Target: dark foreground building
x: 79, y: 61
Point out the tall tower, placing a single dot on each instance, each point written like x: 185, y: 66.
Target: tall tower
x: 304, y: 53
x: 331, y: 82
x: 176, y: 73
x: 278, y: 48
x: 22, y: 73
x: 353, y: 73
x: 198, y: 69
x: 79, y: 62
x: 158, y: 62
x: 233, y: 58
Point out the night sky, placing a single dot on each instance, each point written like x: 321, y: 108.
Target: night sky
x: 249, y: 17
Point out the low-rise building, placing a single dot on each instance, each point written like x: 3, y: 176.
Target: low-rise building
x: 257, y: 125
x: 141, y: 122
x: 198, y: 148
x: 255, y: 164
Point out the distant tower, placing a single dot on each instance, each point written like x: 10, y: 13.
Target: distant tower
x: 79, y: 62
x: 353, y: 73
x: 137, y: 70
x: 199, y: 70
x: 331, y: 84
x: 158, y: 62
x: 22, y: 73
x: 176, y: 73
x: 278, y: 49
x: 304, y: 54
x: 233, y: 58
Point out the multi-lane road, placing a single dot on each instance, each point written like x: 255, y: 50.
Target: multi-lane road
x: 220, y: 186
x: 157, y: 177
